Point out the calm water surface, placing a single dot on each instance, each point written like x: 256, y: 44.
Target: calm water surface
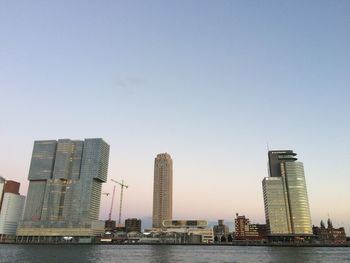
x: 150, y: 253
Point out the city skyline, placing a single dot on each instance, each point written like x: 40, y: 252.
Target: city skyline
x: 211, y: 83
x: 164, y: 162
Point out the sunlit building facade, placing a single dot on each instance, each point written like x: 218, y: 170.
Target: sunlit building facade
x: 286, y: 202
x: 11, y: 208
x: 162, y: 190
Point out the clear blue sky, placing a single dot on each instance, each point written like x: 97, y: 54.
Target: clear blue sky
x: 210, y: 82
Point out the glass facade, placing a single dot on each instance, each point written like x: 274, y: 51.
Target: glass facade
x: 276, y: 206
x: 66, y: 178
x: 293, y: 174
x: 285, y: 196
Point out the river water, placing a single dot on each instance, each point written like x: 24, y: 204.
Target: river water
x: 166, y: 253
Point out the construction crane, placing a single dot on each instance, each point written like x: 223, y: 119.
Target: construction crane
x: 110, y: 210
x: 122, y: 185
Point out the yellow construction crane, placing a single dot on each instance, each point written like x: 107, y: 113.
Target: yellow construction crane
x: 122, y: 185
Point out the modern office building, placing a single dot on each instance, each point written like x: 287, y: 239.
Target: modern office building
x: 11, y: 209
x: 65, y: 181
x: 286, y: 202
x: 162, y: 190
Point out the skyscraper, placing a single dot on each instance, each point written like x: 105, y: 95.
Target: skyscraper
x: 162, y: 190
x: 286, y: 202
x: 64, y: 192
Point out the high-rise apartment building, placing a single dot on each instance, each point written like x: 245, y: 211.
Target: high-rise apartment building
x: 286, y: 202
x: 65, y: 182
x: 11, y: 208
x: 162, y: 190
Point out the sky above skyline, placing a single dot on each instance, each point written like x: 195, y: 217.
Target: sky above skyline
x: 213, y: 83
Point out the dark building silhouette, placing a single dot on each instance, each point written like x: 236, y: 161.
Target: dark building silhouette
x: 275, y: 159
x: 133, y: 225
x: 110, y: 225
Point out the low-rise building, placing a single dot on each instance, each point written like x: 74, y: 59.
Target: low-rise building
x: 246, y: 231
x: 180, y: 232
x: 132, y: 225
x: 221, y: 231
x: 110, y: 225
x: 329, y: 234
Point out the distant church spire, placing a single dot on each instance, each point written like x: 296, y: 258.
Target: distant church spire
x: 329, y: 223
x: 322, y: 224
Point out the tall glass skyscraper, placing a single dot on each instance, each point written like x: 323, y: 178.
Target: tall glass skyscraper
x: 162, y: 190
x: 286, y: 202
x: 66, y: 178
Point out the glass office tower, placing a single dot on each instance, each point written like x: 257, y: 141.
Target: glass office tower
x: 285, y: 196
x: 65, y: 185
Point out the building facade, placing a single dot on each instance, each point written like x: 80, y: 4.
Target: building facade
x: 162, y: 190
x: 329, y: 234
x: 221, y: 231
x: 11, y: 208
x: 190, y: 231
x: 65, y: 182
x: 244, y: 230
x: 180, y: 232
x: 132, y: 225
x: 286, y: 202
x: 241, y: 225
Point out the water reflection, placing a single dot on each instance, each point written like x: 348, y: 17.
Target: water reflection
x: 167, y: 254
x: 161, y: 254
